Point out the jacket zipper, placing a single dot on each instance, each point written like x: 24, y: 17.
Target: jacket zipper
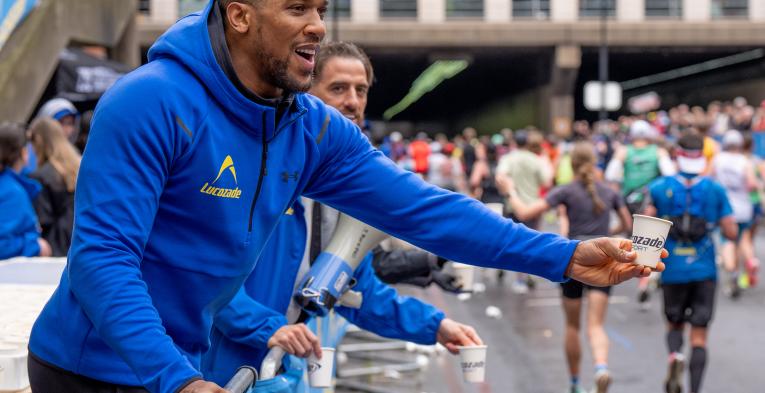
x: 263, y: 173
x: 264, y: 161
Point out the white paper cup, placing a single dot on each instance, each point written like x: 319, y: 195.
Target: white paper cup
x: 649, y: 235
x: 473, y: 362
x: 320, y: 370
x: 465, y: 275
x: 496, y: 208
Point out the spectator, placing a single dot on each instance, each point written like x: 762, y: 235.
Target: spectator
x: 19, y: 235
x: 63, y: 111
x: 82, y: 136
x: 419, y: 151
x: 57, y: 165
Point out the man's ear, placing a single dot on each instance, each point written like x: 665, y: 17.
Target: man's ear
x: 239, y: 16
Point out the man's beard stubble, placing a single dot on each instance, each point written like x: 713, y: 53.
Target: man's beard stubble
x: 276, y: 72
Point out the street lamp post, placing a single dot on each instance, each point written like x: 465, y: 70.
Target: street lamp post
x: 603, y: 60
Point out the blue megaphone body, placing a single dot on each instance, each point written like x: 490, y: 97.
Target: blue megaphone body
x: 331, y: 276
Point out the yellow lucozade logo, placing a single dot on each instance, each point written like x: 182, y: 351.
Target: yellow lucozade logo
x: 221, y: 192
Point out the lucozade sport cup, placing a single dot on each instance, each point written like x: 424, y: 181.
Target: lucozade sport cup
x: 649, y: 235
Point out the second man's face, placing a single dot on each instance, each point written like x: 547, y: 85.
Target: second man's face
x: 344, y: 86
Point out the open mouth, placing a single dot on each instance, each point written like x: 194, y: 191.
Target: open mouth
x: 308, y: 53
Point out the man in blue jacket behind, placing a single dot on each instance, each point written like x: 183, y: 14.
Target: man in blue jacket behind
x: 256, y: 320
x: 179, y: 189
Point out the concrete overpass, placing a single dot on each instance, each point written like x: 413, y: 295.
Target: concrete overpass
x: 559, y: 33
x: 29, y: 57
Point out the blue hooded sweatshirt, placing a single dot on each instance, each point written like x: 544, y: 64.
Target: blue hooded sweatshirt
x: 18, y: 221
x: 242, y: 329
x: 181, y: 185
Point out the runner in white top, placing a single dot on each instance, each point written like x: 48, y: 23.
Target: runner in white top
x: 736, y: 174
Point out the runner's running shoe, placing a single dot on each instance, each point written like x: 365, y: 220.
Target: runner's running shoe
x: 602, y: 381
x: 735, y: 290
x: 674, y: 381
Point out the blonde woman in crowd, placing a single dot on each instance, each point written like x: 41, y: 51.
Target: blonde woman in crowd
x: 584, y: 206
x: 57, y: 165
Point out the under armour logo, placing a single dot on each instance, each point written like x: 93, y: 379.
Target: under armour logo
x: 286, y: 176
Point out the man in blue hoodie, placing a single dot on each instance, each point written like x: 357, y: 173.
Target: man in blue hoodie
x: 257, y: 320
x: 180, y: 188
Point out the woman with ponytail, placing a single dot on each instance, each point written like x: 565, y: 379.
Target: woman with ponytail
x: 584, y: 207
x: 57, y: 165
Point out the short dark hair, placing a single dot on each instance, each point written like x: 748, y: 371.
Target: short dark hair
x: 342, y: 49
x: 13, y: 138
x: 691, y: 141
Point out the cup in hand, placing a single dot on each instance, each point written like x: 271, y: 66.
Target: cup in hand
x: 649, y: 235
x: 473, y: 362
x: 320, y: 370
x: 464, y: 274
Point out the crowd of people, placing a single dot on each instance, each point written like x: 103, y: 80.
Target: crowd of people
x: 692, y: 166
x: 124, y: 318
x: 638, y: 164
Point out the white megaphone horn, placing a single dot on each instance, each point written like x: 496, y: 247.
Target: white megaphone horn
x: 331, y: 273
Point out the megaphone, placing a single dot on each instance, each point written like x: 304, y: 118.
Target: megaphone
x: 330, y: 276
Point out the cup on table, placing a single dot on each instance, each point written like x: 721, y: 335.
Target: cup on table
x: 473, y: 362
x: 649, y: 235
x: 464, y: 274
x: 320, y: 370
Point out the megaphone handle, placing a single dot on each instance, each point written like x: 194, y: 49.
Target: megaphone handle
x: 303, y: 317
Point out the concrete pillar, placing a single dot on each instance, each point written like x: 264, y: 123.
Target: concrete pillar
x: 164, y: 10
x: 365, y: 11
x: 757, y: 10
x: 565, y: 69
x: 564, y: 10
x: 431, y: 11
x: 697, y: 10
x: 497, y: 10
x: 127, y: 51
x: 630, y: 10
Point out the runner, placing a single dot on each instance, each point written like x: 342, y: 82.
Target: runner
x: 585, y: 206
x: 634, y: 166
x: 735, y: 172
x: 696, y: 205
x: 530, y: 173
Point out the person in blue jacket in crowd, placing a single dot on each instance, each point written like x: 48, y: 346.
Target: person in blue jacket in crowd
x: 19, y: 229
x: 256, y: 320
x: 180, y: 188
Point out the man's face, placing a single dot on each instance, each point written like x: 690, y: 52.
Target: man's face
x: 344, y: 86
x: 283, y: 40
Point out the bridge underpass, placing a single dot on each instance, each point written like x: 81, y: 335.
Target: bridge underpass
x: 515, y: 87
